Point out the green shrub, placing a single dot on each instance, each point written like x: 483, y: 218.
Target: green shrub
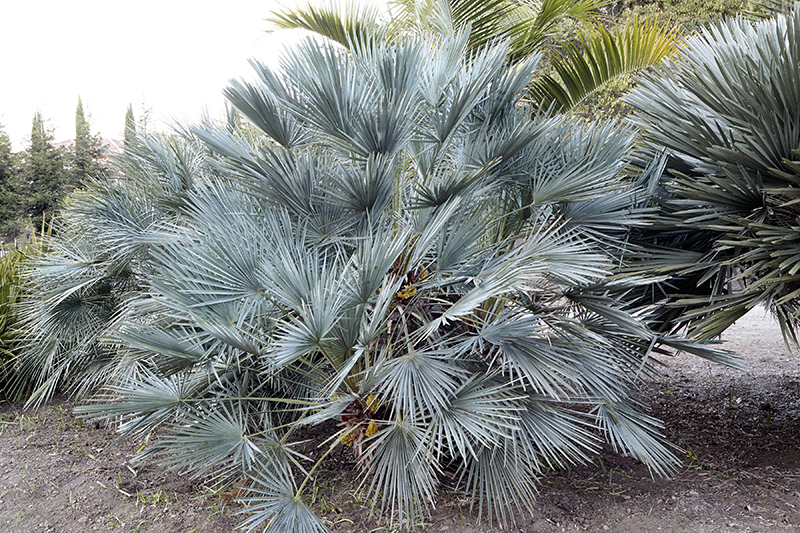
x: 10, y: 262
x: 689, y: 13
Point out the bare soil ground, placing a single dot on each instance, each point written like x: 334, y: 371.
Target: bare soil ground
x: 739, y: 432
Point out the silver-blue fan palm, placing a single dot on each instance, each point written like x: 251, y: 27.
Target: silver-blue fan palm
x: 387, y: 244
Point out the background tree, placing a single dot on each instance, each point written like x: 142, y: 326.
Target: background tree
x: 88, y: 155
x: 130, y: 130
x: 82, y: 159
x: 44, y: 177
x: 10, y: 202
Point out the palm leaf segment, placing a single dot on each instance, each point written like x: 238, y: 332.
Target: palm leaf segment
x: 382, y: 245
x: 726, y: 111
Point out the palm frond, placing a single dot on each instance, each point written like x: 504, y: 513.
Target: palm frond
x: 603, y: 57
x: 501, y: 480
x: 479, y: 414
x: 341, y: 22
x: 539, y: 21
x: 397, y: 473
x: 724, y: 114
x: 272, y: 499
x: 144, y: 401
x: 634, y: 432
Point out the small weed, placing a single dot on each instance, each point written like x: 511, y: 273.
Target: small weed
x: 152, y: 498
x: 115, y: 489
x: 25, y: 479
x: 732, y: 399
x: 318, y: 497
x: 160, y: 496
x: 22, y: 514
x: 115, y: 522
x: 693, y: 459
x: 611, y: 471
x: 84, y: 452
x: 27, y: 423
x: 142, y: 445
x: 61, y: 424
x: 464, y: 520
x: 215, y: 501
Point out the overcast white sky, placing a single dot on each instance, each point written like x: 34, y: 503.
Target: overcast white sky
x: 175, y: 56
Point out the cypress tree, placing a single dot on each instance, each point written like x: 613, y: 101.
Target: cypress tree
x: 88, y: 149
x: 83, y: 160
x: 130, y: 130
x: 43, y: 174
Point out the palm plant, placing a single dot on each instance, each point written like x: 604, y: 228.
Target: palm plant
x: 577, y: 70
x: 725, y: 111
x: 384, y: 244
x: 387, y: 244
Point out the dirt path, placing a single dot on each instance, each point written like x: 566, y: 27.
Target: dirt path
x: 740, y: 432
x: 59, y: 475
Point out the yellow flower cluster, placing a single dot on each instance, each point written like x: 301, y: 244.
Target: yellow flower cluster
x: 373, y: 402
x: 407, y: 292
x: 408, y: 289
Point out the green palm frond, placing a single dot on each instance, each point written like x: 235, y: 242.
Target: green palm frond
x: 343, y: 23
x: 539, y: 22
x: 603, y: 57
x: 527, y: 25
